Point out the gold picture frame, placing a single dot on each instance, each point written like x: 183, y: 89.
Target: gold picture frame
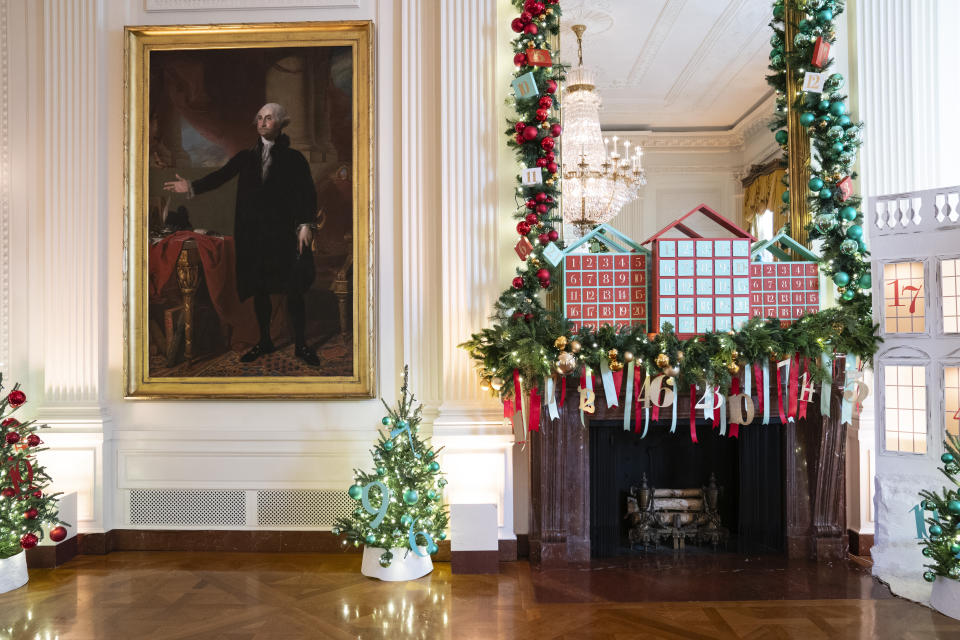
x: 189, y: 83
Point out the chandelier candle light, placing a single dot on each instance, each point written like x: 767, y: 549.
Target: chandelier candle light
x: 598, y: 179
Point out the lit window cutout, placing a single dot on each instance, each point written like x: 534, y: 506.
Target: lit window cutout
x: 905, y: 427
x: 903, y: 295
x: 951, y: 400
x: 950, y: 277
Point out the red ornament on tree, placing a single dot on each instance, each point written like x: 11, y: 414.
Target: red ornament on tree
x: 545, y: 102
x: 10, y: 422
x: 542, y: 114
x: 543, y: 274
x: 553, y: 235
x: 58, y: 533
x: 526, y: 16
x: 532, y: 218
x: 520, y: 59
x: 528, y: 317
x: 530, y: 29
x: 33, y: 440
x: 543, y: 238
x: 30, y: 514
x: 519, y: 138
x: 13, y: 437
x: 8, y: 492
x: 541, y: 162
x: 551, y: 85
x: 540, y: 196
x: 556, y: 130
x: 517, y: 25
x: 530, y: 132
x: 545, y: 283
x: 552, y: 167
x: 531, y: 204
x: 523, y: 228
x: 518, y: 283
x: 38, y: 494
x: 542, y: 209
x: 547, y: 143
x: 518, y: 127
x: 16, y: 398
x: 550, y: 156
x: 28, y: 541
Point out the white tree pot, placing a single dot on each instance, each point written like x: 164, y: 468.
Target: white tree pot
x: 945, y: 597
x: 406, y: 565
x: 13, y: 572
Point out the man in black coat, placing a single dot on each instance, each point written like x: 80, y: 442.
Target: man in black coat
x: 276, y: 204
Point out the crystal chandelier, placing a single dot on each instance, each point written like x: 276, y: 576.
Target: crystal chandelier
x: 597, y: 179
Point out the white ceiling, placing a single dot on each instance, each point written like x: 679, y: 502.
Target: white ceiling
x: 672, y: 64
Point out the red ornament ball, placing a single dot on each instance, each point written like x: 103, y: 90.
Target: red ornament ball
x: 30, y: 514
x: 530, y: 29
x: 542, y: 209
x: 551, y: 84
x: 10, y: 422
x: 28, y: 541
x: 550, y: 198
x: 58, y: 533
x: 526, y: 16
x: 8, y: 492
x: 553, y: 235
x: 545, y: 102
x: 543, y: 238
x: 528, y: 317
x: 13, y: 437
x: 550, y: 156
x: 38, y: 494
x: 523, y: 228
x: 518, y: 127
x: 33, y: 440
x: 543, y: 274
x: 519, y: 138
x: 540, y: 196
x: 556, y: 130
x: 552, y: 167
x: 541, y: 162
x: 547, y: 143
x: 528, y: 5
x: 520, y: 59
x: 517, y: 25
x: 531, y: 204
x: 518, y: 316
x: 518, y: 283
x: 542, y: 114
x: 545, y: 283
x: 530, y: 132
x: 16, y: 398
x: 532, y: 218
x: 538, y: 8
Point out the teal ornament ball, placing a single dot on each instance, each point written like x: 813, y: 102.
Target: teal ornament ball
x: 781, y: 136
x: 381, y: 471
x: 929, y: 576
x: 844, y: 121
x: 836, y: 80
x: 403, y: 424
x: 838, y: 109
x: 824, y: 105
x: 954, y: 571
x: 936, y: 530
x: 432, y: 548
x: 385, y: 558
x: 952, y: 468
x: 370, y: 539
x: 825, y: 194
x: 865, y: 281
x: 847, y: 295
x: 825, y: 222
x: 388, y: 445
x: 442, y: 482
x: 815, y: 184
x: 929, y: 505
x: 785, y: 196
x: 955, y: 548
x: 825, y: 119
x: 410, y: 496
x: 926, y: 551
x: 841, y: 278
x: 836, y: 148
x: 835, y: 132
x: 431, y: 494
x: 805, y: 25
x: 442, y: 535
x: 429, y: 455
x: 778, y: 12
x: 861, y: 245
x: 954, y: 507
x: 849, y: 246
x: 776, y: 60
x: 406, y: 520
x: 855, y: 231
x: 775, y: 41
x: 947, y: 457
x: 355, y: 492
x: 825, y: 16
x: 848, y: 213
x: 434, y: 466
x: 807, y: 118
x: 387, y: 421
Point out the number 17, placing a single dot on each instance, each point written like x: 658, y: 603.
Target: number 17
x: 897, y: 290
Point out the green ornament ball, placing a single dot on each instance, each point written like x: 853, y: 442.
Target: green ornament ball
x: 955, y: 548
x: 432, y: 548
x: 825, y: 119
x: 844, y: 121
x: 855, y: 232
x: 434, y: 466
x: 429, y: 455
x: 838, y: 109
x: 847, y: 295
x: 927, y: 552
x: 778, y: 12
x: 805, y: 26
x: 936, y: 530
x: 388, y: 445
x: 776, y: 60
x: 387, y: 421
x: 370, y: 539
x: 954, y: 507
x: 807, y: 118
x: 848, y: 213
x: 865, y: 281
x: 841, y: 278
x: 385, y: 558
x: 825, y: 16
x: 929, y: 505
x: 929, y: 576
x: 442, y: 535
x: 836, y: 148
x: 849, y: 246
x: 431, y: 494
x: 781, y: 136
x: 403, y: 424
x: 947, y: 457
x: 355, y: 492
x: 861, y: 245
x: 775, y: 41
x: 836, y: 80
x: 410, y: 496
x: 381, y: 471
x: 785, y: 196
x: 406, y: 520
x: 825, y: 194
x: 815, y: 184
x: 824, y: 105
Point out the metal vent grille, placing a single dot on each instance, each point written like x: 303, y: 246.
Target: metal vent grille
x: 302, y: 508
x: 187, y: 507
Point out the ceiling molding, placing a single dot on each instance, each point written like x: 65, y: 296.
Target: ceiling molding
x: 222, y: 5
x: 658, y: 35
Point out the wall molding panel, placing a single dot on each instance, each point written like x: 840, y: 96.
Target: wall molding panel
x: 228, y: 5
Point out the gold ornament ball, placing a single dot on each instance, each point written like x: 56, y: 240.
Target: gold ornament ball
x: 671, y: 372
x: 628, y: 356
x: 544, y: 125
x: 496, y: 383
x: 566, y: 363
x: 549, y: 11
x: 560, y: 343
x: 612, y: 353
x: 575, y: 346
x: 733, y: 367
x: 662, y: 360
x: 734, y: 354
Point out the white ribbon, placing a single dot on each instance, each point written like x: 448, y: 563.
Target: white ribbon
x: 723, y: 414
x: 846, y: 407
x: 609, y: 390
x: 629, y: 398
x: 673, y: 413
x: 551, y: 398
x: 708, y: 403
x: 746, y: 379
x: 766, y: 393
x: 827, y: 363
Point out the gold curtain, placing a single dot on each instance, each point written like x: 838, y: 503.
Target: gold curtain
x: 764, y: 193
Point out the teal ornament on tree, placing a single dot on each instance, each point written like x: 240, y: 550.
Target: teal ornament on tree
x: 387, y: 421
x: 855, y: 231
x: 388, y: 445
x: 946, y: 458
x: 844, y: 121
x: 442, y: 482
x: 442, y: 535
x: 432, y: 548
x: 410, y: 496
x: 954, y: 507
x: 927, y: 552
x: 841, y: 278
x: 825, y: 16
x: 406, y: 520
x: 955, y: 548
x: 824, y: 105
x: 431, y: 494
x: 805, y: 26
x: 838, y: 109
x: 836, y: 81
x: 434, y: 466
x: 929, y: 505
x: 370, y: 539
x: 825, y: 194
x: 848, y: 294
x: 865, y: 281
x: 785, y: 196
x: 825, y: 119
x: 385, y: 559
x: 807, y: 118
x: 954, y: 571
x: 849, y: 246
x: 381, y: 471
x: 781, y: 136
x: 815, y: 184
x: 835, y: 132
x: 826, y: 222
x: 836, y: 148
x: 848, y: 213
x: 936, y: 530
x: 929, y: 576
x: 355, y: 492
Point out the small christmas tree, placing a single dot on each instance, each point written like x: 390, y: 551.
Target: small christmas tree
x: 24, y: 504
x: 942, y: 545
x: 399, y: 504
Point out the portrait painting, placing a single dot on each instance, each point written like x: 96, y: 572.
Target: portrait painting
x: 249, y: 211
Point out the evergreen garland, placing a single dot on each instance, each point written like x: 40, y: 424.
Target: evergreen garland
x: 942, y: 546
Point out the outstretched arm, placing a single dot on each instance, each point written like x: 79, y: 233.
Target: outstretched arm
x: 208, y: 182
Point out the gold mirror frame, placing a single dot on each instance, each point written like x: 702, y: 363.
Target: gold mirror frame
x: 139, y: 41
x: 798, y: 140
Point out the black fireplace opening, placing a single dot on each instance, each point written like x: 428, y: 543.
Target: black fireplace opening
x: 748, y: 469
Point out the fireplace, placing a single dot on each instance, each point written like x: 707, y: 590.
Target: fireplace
x: 802, y: 513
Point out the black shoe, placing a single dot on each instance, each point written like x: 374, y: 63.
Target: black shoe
x: 307, y: 354
x: 258, y: 350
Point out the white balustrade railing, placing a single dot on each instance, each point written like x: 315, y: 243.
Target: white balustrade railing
x: 914, y: 211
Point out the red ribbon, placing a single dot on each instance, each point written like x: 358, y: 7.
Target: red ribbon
x: 15, y: 476
x: 517, y: 394
x: 758, y: 378
x: 508, y: 408
x: 534, y: 422
x: 563, y: 390
x: 636, y: 409
x: 716, y: 409
x: 735, y: 391
x: 794, y: 376
x: 693, y: 414
x: 617, y: 381
x: 803, y: 405
x: 783, y: 417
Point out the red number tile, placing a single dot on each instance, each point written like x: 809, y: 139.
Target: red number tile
x: 573, y: 262
x: 621, y: 295
x: 769, y: 269
x: 606, y: 263
x: 589, y: 279
x: 573, y: 311
x: 589, y: 311
x: 589, y: 262
x: 796, y: 269
x: 606, y: 295
x: 813, y: 298
x: 621, y: 261
x: 813, y: 284
x: 638, y: 311
x: 769, y: 284
x: 798, y: 297
x: 783, y: 312
x: 606, y: 278
x: 606, y: 311
x: 621, y: 277
x: 573, y: 295
x: 756, y: 270
x: 589, y: 295
x: 573, y: 278
x: 811, y: 269
x: 783, y: 270
x: 756, y: 284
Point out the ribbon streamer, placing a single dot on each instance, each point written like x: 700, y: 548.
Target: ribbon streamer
x: 802, y: 413
x: 846, y: 407
x: 637, y: 390
x: 780, y: 408
x: 794, y: 376
x: 735, y: 397
x: 746, y: 379
x: 517, y: 392
x: 708, y: 403
x: 609, y: 391
x: 693, y: 414
x: 765, y: 398
x: 395, y: 432
x: 721, y: 407
x: 673, y: 411
x: 825, y: 386
x: 761, y: 390
x: 549, y: 384
x: 535, y: 401
x: 628, y: 398
x: 617, y: 383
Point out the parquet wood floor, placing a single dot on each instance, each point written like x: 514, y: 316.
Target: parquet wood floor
x: 260, y: 596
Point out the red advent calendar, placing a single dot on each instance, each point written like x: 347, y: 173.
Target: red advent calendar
x: 606, y: 288
x: 786, y: 289
x: 700, y: 283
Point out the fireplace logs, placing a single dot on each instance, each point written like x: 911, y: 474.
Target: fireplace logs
x: 677, y: 514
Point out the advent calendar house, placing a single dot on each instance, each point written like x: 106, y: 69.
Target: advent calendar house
x: 701, y: 273
x: 788, y: 288
x: 915, y: 241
